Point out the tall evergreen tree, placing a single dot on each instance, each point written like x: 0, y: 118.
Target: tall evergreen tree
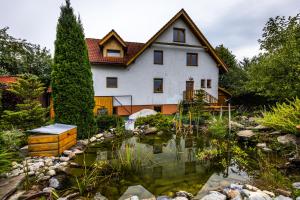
x: 72, y: 84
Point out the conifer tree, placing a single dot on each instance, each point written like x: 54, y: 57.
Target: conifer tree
x: 72, y: 84
x: 29, y: 113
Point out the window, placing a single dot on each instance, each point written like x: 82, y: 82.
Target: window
x: 113, y: 53
x: 111, y: 82
x: 157, y: 108
x: 178, y: 35
x: 158, y: 57
x: 158, y: 85
x: 202, y: 83
x: 208, y: 83
x: 192, y: 59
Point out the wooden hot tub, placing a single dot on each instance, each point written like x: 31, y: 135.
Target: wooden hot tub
x: 51, y: 140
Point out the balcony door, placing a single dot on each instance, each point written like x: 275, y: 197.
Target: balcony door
x: 189, y: 90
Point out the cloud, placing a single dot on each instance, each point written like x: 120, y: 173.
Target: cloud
x: 237, y: 24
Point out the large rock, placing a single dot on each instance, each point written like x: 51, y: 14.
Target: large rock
x: 280, y: 197
x: 245, y: 133
x: 214, y: 195
x: 138, y: 191
x: 258, y: 195
x: 286, y: 139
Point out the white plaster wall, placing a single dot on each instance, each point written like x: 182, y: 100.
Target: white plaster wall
x: 137, y: 79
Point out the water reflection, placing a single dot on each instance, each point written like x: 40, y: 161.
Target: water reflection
x: 169, y: 161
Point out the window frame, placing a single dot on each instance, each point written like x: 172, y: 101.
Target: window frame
x: 162, y: 57
x: 109, y: 86
x: 208, y: 83
x: 177, y: 39
x: 162, y: 83
x: 189, y: 59
x: 204, y: 83
x: 115, y: 51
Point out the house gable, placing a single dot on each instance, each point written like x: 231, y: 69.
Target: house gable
x: 198, y: 34
x: 112, y: 42
x: 167, y: 36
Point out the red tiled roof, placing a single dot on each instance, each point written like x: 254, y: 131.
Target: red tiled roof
x: 96, y: 57
x: 8, y: 79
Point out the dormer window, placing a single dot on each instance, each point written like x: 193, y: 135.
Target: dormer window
x: 113, y: 53
x: 179, y: 35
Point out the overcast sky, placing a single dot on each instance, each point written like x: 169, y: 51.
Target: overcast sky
x: 237, y: 24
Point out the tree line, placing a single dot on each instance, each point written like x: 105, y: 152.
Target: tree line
x: 270, y: 76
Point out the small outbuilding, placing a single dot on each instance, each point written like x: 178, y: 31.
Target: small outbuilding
x: 51, y: 140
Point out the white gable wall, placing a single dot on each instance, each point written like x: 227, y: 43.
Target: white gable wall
x: 137, y: 79
x: 167, y: 36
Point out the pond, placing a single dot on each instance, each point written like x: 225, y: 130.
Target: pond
x: 168, y: 163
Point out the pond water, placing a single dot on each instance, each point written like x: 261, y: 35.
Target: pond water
x: 169, y: 163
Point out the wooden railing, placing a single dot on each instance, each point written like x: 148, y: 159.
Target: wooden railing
x: 192, y: 95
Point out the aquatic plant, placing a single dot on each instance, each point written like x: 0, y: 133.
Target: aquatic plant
x: 218, y: 127
x: 269, y: 176
x: 128, y: 161
x: 284, y: 117
x: 225, y: 152
x: 90, y: 177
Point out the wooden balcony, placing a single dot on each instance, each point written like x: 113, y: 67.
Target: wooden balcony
x: 191, y: 96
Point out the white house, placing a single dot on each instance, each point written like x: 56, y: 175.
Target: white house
x: 177, y: 60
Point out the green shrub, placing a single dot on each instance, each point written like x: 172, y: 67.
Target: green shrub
x: 284, y: 117
x: 160, y: 121
x: 12, y: 139
x: 105, y: 122
x: 218, y: 127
